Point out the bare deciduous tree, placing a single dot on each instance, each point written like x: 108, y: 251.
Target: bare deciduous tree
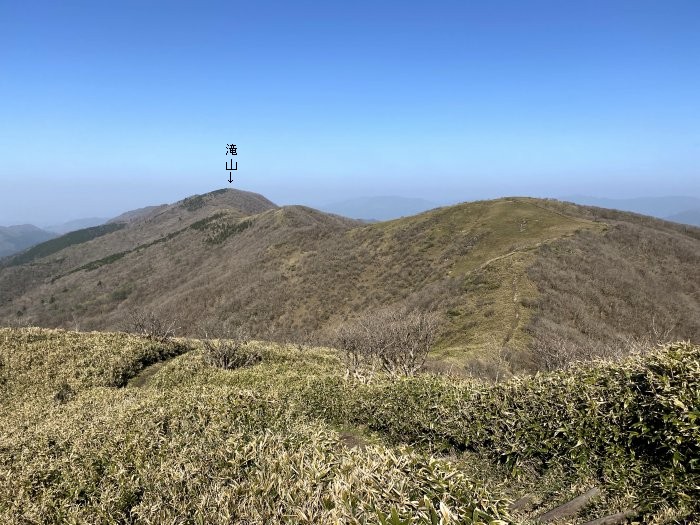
x: 558, y: 352
x: 151, y: 326
x: 229, y: 349
x: 393, y: 339
x: 352, y: 339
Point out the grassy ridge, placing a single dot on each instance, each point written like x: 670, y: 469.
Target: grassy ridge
x: 36, y: 363
x: 261, y: 444
x: 200, y: 445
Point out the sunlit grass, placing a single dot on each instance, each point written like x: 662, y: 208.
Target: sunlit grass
x: 290, y: 440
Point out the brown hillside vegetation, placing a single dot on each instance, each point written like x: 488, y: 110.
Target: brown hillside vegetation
x: 505, y: 276
x: 143, y: 227
x: 640, y: 279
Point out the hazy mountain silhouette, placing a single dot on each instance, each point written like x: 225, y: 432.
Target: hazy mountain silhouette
x: 14, y: 239
x: 77, y: 224
x: 380, y: 208
x: 686, y: 217
x: 661, y: 207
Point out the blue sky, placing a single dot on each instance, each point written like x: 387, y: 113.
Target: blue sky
x: 108, y: 106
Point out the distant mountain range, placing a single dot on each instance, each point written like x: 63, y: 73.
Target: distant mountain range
x: 686, y: 217
x: 77, y: 224
x: 381, y: 208
x: 681, y: 209
x: 14, y: 239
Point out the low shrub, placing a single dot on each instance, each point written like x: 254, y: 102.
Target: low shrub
x: 151, y: 326
x: 395, y: 340
x: 633, y: 424
x: 201, y: 446
x: 229, y: 354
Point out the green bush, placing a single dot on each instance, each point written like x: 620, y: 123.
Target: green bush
x: 219, y: 229
x: 229, y: 354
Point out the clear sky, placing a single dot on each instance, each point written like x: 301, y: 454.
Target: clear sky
x: 106, y: 106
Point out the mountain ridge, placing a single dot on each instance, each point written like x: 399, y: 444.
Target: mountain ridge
x: 293, y: 272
